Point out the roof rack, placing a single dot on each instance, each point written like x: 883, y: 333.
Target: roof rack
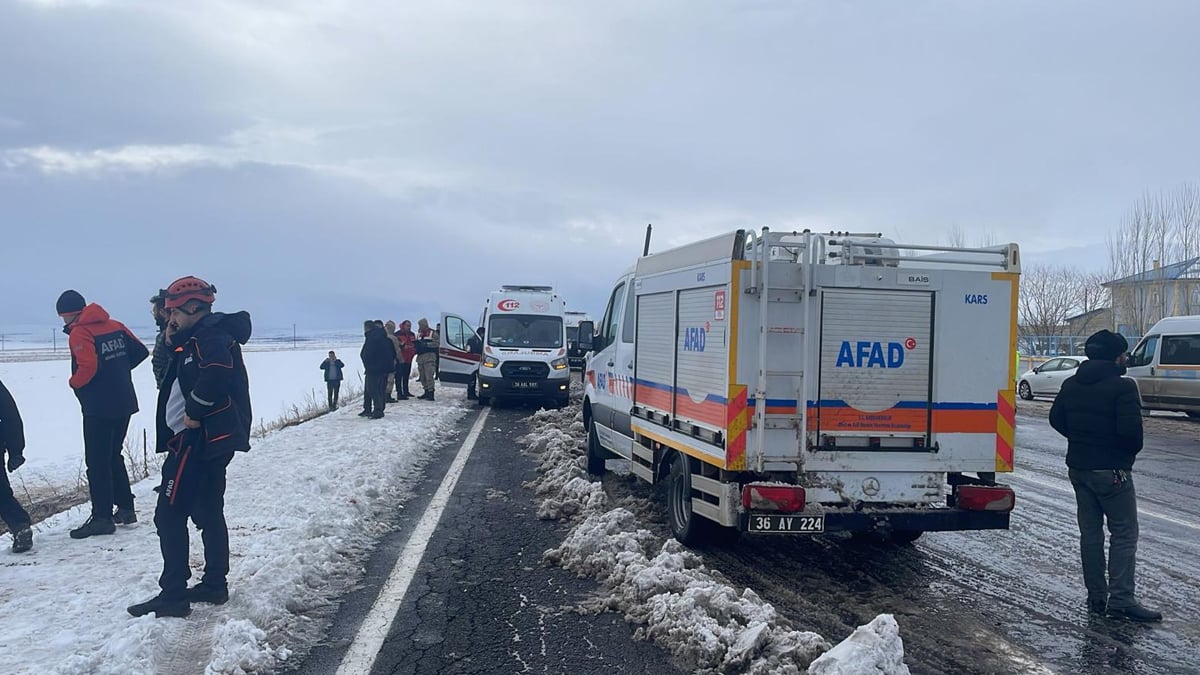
x: 527, y: 288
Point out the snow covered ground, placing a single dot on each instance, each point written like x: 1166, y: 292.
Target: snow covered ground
x: 53, y: 423
x: 666, y: 590
x: 304, y: 507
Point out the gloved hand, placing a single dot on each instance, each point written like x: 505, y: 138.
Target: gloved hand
x: 15, y: 461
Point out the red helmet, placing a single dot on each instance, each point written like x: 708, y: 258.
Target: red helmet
x: 189, y: 288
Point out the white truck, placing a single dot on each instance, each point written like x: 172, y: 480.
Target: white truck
x: 524, y: 346
x: 576, y: 356
x: 799, y: 383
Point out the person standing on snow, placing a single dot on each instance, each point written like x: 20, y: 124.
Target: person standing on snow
x: 390, y: 329
x: 161, y: 355
x: 474, y: 346
x: 103, y: 355
x: 427, y: 351
x: 203, y: 418
x: 1099, y: 412
x: 408, y: 351
x: 12, y: 442
x: 333, y: 367
x: 378, y: 358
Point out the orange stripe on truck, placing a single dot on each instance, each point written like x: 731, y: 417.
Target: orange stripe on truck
x: 737, y: 419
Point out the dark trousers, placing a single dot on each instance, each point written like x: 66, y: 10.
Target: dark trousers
x: 108, y: 480
x: 206, y: 508
x: 373, y: 394
x: 1100, y: 496
x: 332, y: 389
x: 11, y: 512
x: 403, y: 371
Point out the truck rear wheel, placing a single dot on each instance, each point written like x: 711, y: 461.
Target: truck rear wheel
x: 595, y: 453
x: 690, y: 528
x: 904, y: 537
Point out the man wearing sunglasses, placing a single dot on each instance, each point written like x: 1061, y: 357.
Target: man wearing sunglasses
x: 203, y: 418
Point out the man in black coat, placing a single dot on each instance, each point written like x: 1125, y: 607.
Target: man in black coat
x: 474, y: 346
x: 1099, y: 412
x: 333, y: 368
x: 12, y: 442
x: 379, y: 358
x: 203, y: 417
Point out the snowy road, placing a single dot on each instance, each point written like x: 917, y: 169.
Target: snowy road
x: 1008, y: 601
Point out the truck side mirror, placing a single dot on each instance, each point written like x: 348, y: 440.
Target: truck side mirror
x: 587, y: 333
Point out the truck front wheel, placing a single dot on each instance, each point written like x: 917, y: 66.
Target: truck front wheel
x: 595, y: 453
x: 690, y: 528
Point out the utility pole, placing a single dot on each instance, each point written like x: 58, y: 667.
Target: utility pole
x: 293, y: 336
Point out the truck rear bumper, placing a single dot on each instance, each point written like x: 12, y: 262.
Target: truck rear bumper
x: 911, y: 519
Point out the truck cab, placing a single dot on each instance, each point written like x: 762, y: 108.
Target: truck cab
x: 576, y: 355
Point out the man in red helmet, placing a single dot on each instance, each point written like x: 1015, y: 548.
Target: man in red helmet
x: 203, y: 418
x: 103, y: 354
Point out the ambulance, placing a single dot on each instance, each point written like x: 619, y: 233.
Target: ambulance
x: 524, y: 347
x: 801, y: 383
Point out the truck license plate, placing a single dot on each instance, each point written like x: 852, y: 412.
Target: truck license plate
x: 524, y: 385
x: 762, y: 524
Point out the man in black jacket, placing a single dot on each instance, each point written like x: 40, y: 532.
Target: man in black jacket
x: 203, y: 418
x: 379, y: 358
x: 474, y: 346
x: 333, y: 368
x: 12, y: 441
x: 1099, y: 412
x: 160, y: 356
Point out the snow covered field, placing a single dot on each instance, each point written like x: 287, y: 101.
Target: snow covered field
x: 304, y: 507
x: 665, y: 589
x: 53, y: 423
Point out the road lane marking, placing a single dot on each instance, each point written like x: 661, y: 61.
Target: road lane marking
x: 360, y: 658
x: 1141, y: 509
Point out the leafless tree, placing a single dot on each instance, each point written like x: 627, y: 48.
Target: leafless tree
x: 1049, y: 296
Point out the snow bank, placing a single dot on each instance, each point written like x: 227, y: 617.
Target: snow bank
x: 873, y: 648
x: 661, y: 587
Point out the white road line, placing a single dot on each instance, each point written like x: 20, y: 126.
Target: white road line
x: 360, y: 658
x: 1141, y: 509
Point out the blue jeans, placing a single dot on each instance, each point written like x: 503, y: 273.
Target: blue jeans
x: 1107, y: 495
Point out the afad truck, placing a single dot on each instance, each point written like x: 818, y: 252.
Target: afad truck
x: 524, y: 347
x: 803, y: 383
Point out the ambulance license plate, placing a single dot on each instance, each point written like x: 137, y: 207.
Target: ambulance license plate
x: 764, y: 524
x: 524, y: 385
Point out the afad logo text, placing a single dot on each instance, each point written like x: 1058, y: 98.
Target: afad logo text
x: 868, y: 354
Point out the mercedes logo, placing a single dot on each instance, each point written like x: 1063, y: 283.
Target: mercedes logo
x: 870, y: 487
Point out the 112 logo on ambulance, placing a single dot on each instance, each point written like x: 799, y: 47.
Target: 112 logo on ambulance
x: 872, y: 354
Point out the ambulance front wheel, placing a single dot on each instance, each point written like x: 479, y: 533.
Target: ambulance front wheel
x: 595, y: 453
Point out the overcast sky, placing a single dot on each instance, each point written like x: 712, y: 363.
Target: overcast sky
x: 326, y: 161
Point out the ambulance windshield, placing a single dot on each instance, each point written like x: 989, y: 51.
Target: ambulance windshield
x: 523, y: 331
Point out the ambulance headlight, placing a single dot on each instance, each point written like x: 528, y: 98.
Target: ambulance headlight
x: 491, y: 362
x: 559, y: 364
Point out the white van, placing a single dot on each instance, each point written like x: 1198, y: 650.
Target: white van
x: 524, y: 346
x: 576, y: 355
x: 1166, y: 366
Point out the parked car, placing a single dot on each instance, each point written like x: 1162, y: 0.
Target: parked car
x: 1047, y: 378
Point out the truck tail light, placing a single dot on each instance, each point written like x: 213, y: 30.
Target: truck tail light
x: 769, y: 497
x: 986, y: 497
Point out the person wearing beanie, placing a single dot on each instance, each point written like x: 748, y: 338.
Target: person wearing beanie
x: 379, y: 358
x: 103, y: 355
x: 203, y: 418
x: 427, y: 351
x: 1099, y: 412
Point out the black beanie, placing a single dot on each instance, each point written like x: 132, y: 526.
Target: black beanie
x: 1105, y: 345
x: 70, y: 302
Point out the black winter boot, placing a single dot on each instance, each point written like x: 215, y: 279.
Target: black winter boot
x: 94, y: 526
x: 1097, y: 604
x: 161, y: 607
x: 124, y: 516
x: 213, y: 595
x: 22, y: 540
x: 1135, y: 613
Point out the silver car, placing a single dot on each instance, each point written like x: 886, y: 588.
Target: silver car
x: 1047, y: 378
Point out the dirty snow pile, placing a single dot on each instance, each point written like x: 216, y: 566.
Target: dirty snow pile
x: 666, y: 590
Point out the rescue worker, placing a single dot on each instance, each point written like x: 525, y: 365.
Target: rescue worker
x: 408, y: 351
x: 203, y: 418
x: 427, y: 351
x: 103, y: 355
x: 161, y: 354
x: 1099, y: 412
x: 12, y: 443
